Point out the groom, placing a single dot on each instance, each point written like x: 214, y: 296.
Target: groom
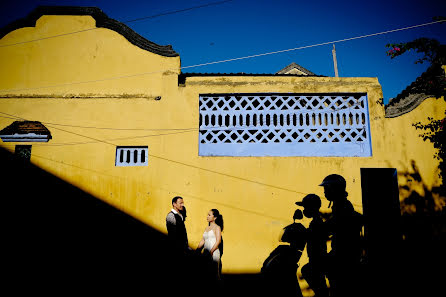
x: 176, y: 230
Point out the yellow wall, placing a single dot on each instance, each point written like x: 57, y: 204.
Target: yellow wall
x: 91, y: 54
x: 256, y: 195
x: 407, y: 151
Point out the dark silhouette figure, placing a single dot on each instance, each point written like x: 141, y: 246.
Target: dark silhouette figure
x: 344, y: 226
x: 280, y: 268
x: 314, y: 271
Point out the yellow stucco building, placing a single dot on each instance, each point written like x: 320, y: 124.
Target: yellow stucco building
x: 130, y: 129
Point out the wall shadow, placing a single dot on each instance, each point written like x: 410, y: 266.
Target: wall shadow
x: 405, y: 242
x: 423, y: 223
x: 57, y: 239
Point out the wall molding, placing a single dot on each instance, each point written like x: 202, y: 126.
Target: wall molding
x: 79, y: 96
x: 405, y: 105
x: 102, y: 21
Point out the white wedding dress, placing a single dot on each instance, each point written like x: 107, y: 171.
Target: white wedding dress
x: 209, y: 242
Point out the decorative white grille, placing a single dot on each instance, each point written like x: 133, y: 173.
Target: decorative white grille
x: 284, y: 125
x: 132, y: 156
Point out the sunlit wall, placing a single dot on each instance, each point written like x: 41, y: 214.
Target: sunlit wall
x: 94, y: 90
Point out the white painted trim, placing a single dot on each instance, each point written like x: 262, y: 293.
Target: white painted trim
x: 128, y: 159
x: 29, y: 137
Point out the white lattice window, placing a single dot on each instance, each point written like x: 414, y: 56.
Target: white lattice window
x: 132, y: 156
x: 284, y: 125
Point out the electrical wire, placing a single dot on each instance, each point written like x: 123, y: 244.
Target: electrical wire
x: 323, y: 112
x: 182, y: 194
x: 113, y: 139
x: 176, y: 162
x: 200, y: 168
x: 104, y: 128
x: 176, y: 11
x: 125, y: 22
x: 197, y: 167
x: 224, y: 61
x: 313, y: 45
x: 178, y: 131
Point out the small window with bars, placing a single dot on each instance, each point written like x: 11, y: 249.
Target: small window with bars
x: 132, y: 156
x: 284, y: 125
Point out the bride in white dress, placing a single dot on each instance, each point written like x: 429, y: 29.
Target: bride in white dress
x: 212, y: 241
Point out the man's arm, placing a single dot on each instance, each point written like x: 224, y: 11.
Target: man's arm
x: 171, y: 223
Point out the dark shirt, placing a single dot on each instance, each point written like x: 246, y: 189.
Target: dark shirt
x: 176, y: 231
x: 317, y: 241
x: 345, y: 228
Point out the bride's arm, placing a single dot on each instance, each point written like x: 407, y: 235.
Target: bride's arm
x: 201, y: 244
x: 218, y: 241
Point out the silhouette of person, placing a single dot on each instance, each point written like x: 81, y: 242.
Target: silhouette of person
x: 313, y: 272
x: 280, y: 268
x: 344, y: 226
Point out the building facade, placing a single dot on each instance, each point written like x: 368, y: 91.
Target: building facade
x: 129, y: 128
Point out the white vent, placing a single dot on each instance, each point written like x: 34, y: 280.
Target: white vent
x: 284, y: 125
x: 132, y: 156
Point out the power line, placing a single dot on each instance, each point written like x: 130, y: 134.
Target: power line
x: 103, y: 128
x: 121, y: 129
x: 177, y: 11
x: 177, y: 130
x: 49, y: 37
x: 211, y: 171
x: 164, y: 189
x: 298, y: 112
x: 176, y: 162
x: 194, y: 166
x: 227, y: 60
x: 313, y: 45
x: 125, y: 22
x: 122, y: 138
x: 99, y: 140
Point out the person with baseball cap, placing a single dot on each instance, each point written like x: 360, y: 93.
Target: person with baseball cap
x: 314, y: 272
x: 345, y: 230
x: 280, y: 268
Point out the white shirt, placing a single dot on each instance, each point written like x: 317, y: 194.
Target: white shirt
x: 176, y: 212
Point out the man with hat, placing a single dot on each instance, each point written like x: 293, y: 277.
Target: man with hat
x: 345, y: 229
x: 313, y: 271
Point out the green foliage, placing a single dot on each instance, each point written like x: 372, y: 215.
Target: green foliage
x: 426, y: 46
x: 432, y: 82
x: 432, y: 50
x: 435, y: 133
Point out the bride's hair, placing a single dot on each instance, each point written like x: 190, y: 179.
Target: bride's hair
x: 218, y: 218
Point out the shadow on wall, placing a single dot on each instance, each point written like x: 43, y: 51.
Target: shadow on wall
x: 423, y: 210
x: 423, y: 223
x: 58, y: 239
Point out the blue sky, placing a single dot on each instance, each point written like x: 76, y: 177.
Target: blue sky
x: 241, y: 28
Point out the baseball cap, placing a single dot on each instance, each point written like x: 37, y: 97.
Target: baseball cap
x: 311, y: 200
x: 333, y: 179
